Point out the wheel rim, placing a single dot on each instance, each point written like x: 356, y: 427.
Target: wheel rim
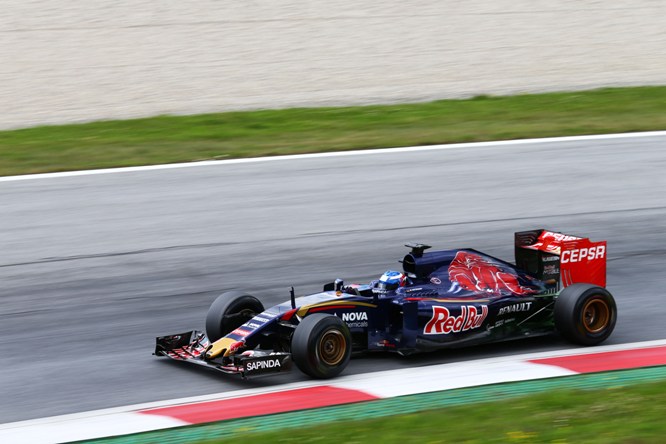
x: 596, y: 315
x: 332, y: 347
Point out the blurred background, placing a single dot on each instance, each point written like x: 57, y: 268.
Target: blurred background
x: 71, y: 61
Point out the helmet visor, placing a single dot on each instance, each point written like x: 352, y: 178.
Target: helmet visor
x: 384, y: 287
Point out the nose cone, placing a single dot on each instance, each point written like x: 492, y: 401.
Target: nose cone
x: 220, y: 347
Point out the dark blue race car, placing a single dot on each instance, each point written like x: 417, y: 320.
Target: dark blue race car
x: 440, y: 299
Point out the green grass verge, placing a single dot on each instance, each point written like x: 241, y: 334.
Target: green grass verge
x: 169, y: 139
x: 566, y: 407
x: 632, y: 414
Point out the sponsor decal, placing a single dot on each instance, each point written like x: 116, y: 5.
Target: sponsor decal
x: 551, y: 242
x: 584, y: 254
x: 411, y: 290
x: 263, y: 365
x: 515, y: 308
x: 583, y: 261
x: 557, y: 237
x: 240, y: 332
x: 260, y: 319
x: 549, y: 258
x: 435, y: 280
x: 355, y: 316
x: 550, y: 269
x: 356, y: 319
x: 442, y: 322
x: 504, y: 321
x: 236, y: 345
x: 252, y: 325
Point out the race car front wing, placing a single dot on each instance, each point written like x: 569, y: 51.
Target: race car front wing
x: 192, y: 346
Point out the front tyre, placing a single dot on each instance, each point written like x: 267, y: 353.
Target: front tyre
x: 585, y: 314
x: 229, y: 311
x: 321, y: 346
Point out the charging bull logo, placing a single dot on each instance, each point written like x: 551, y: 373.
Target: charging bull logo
x: 474, y: 273
x: 442, y: 323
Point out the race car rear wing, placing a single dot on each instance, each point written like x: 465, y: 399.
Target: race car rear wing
x: 564, y: 259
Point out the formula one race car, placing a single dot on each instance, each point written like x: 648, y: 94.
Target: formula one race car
x: 441, y: 299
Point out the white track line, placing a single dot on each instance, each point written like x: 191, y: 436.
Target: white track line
x: 409, y: 149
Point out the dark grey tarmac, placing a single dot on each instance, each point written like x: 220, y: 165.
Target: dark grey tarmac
x: 94, y: 267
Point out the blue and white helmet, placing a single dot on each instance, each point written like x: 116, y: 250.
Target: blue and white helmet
x: 390, y: 281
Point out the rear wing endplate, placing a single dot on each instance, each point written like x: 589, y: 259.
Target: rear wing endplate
x: 565, y: 259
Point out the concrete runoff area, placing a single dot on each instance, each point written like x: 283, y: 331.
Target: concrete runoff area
x: 78, y: 61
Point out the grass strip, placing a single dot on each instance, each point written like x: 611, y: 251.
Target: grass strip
x: 610, y: 406
x: 633, y: 414
x: 169, y: 139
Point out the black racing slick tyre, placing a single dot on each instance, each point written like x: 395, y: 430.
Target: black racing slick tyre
x: 321, y: 346
x: 585, y: 314
x: 229, y: 311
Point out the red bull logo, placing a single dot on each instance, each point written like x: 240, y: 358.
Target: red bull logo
x: 442, y: 323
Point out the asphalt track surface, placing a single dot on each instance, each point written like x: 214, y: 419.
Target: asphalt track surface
x: 94, y: 267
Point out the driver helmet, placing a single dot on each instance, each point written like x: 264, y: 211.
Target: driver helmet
x: 391, y: 281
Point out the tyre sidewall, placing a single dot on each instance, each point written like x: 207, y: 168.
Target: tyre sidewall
x: 226, y: 304
x: 569, y: 312
x: 305, y: 345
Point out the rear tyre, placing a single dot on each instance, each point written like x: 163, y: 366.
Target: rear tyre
x: 585, y: 314
x: 229, y: 311
x: 321, y: 346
